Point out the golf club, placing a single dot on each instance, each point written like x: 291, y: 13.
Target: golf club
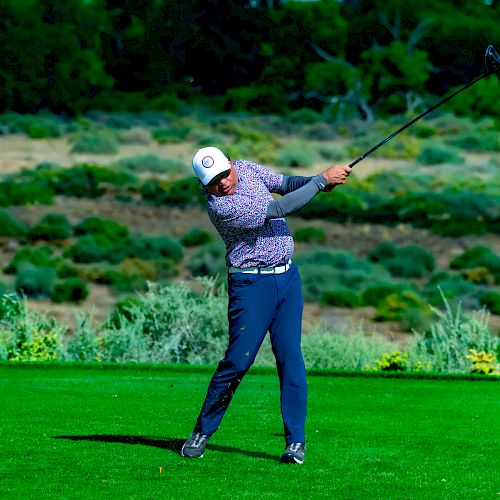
x: 492, y: 63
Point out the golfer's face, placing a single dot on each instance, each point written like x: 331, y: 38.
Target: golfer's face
x: 223, y: 184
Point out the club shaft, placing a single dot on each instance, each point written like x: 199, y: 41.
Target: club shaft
x: 404, y: 127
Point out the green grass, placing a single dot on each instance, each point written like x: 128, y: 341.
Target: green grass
x: 90, y: 432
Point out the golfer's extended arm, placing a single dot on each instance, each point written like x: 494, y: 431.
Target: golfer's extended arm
x: 291, y: 183
x: 297, y: 199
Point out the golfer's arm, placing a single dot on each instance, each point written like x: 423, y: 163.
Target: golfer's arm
x: 296, y: 199
x: 291, y: 183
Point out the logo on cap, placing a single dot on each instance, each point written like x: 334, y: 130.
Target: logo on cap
x: 207, y: 161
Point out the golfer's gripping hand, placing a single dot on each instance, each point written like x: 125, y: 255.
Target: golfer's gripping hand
x: 336, y: 175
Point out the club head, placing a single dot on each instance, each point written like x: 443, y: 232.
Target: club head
x: 492, y: 60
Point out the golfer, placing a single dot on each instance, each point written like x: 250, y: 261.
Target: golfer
x: 264, y: 287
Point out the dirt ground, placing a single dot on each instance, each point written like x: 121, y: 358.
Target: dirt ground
x: 20, y: 152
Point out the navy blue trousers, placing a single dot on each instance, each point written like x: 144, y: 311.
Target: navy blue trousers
x: 259, y: 303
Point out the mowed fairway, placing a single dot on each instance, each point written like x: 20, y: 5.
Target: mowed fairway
x: 105, y: 432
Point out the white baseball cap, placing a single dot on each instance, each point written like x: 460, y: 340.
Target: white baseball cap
x: 209, y: 162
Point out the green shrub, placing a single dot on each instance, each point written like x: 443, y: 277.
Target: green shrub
x: 102, y: 142
x: 491, y: 300
x: 471, y: 141
x: 40, y: 256
x: 89, y: 248
x: 404, y: 262
x: 260, y: 99
x: 398, y: 306
x: 296, y: 154
x: 437, y: 153
x: 374, y: 293
x: 152, y: 163
x: 181, y: 192
x: 148, y: 248
x: 135, y: 136
x: 209, y: 260
x: 173, y: 135
x: 20, y: 192
x: 450, y: 338
x: 10, y: 226
x: 196, y: 237
x: 333, y: 152
x: 35, y: 126
x: 27, y: 335
x: 451, y: 286
x: 319, y: 131
x: 50, y: 227
x: 70, y: 290
x: 35, y: 281
x: 310, y: 235
x: 391, y: 362
x: 304, y: 116
x: 478, y: 256
x: 100, y: 226
x: 341, y: 297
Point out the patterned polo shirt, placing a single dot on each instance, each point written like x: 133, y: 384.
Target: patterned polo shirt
x: 240, y: 219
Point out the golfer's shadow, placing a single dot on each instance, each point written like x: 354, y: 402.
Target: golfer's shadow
x: 172, y: 444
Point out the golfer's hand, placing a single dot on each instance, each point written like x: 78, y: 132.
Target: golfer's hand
x: 336, y: 175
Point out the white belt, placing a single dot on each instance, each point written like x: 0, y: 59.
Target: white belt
x: 261, y: 270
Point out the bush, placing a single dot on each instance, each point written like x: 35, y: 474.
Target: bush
x: 40, y: 256
x: 89, y: 248
x: 437, y: 153
x: 148, y: 248
x: 196, y: 237
x: 375, y: 293
x: 333, y: 152
x: 35, y: 281
x: 26, y: 335
x: 209, y: 260
x: 181, y: 192
x: 478, y: 256
x: 51, y: 227
x: 70, y: 290
x: 310, y: 235
x: 450, y: 338
x: 173, y: 135
x: 474, y: 141
x: 10, y: 226
x: 152, y: 163
x: 444, y: 284
x: 491, y: 300
x: 36, y: 127
x: 401, y: 307
x: 95, y: 142
x: 100, y: 226
x: 296, y: 154
x: 404, y: 262
x: 19, y: 192
x: 341, y: 297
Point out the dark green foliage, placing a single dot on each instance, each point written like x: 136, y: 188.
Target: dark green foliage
x: 401, y: 307
x: 70, y: 290
x: 40, y: 256
x: 478, y: 256
x: 437, y: 153
x: 403, y: 262
x: 50, y: 227
x: 452, y: 286
x: 324, y: 270
x: 20, y: 192
x: 171, y: 135
x: 152, y: 163
x: 476, y: 141
x: 122, y: 310
x: 89, y: 248
x: 10, y: 226
x: 34, y: 281
x: 491, y: 300
x: 182, y: 192
x: 36, y: 127
x: 310, y: 235
x: 374, y: 293
x: 107, y: 228
x: 148, y: 248
x: 101, y: 142
x: 195, y: 237
x: 341, y: 297
x: 121, y: 281
x: 209, y: 260
x: 305, y: 116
